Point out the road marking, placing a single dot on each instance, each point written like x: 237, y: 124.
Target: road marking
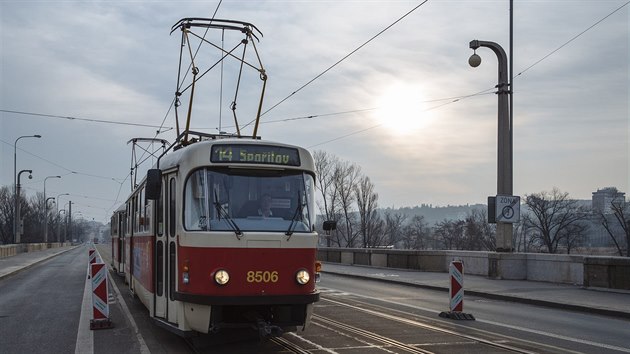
x: 85, y: 336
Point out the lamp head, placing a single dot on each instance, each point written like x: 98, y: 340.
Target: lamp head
x: 30, y: 176
x: 37, y: 136
x: 474, y: 60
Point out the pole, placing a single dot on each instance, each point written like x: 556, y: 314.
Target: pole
x: 18, y: 208
x: 46, y: 209
x: 504, y: 148
x: 69, y: 230
x: 15, y: 175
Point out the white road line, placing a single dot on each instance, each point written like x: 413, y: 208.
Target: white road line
x: 85, y: 336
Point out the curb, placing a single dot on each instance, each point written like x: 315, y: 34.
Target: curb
x: 493, y: 296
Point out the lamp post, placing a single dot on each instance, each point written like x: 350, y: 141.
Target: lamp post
x: 64, y: 222
x: 15, y: 180
x: 46, y: 209
x: 18, y: 230
x: 57, y: 200
x: 504, y: 150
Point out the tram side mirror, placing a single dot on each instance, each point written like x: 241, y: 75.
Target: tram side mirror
x: 154, y: 184
x: 329, y: 225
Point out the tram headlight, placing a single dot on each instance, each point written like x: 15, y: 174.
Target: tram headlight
x: 221, y: 277
x: 302, y: 276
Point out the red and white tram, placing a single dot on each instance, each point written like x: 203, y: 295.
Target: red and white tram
x: 222, y: 235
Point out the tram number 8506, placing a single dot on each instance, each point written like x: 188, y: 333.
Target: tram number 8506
x: 260, y: 276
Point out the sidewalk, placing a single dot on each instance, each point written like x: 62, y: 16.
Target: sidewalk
x: 21, y: 261
x: 570, y: 297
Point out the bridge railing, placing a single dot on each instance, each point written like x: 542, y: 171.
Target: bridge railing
x: 588, y: 271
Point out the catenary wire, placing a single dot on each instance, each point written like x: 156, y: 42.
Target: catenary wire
x: 339, y: 61
x: 81, y: 119
x: 485, y: 91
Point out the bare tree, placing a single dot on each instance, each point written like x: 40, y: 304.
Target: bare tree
x: 345, y: 178
x: 479, y: 235
x: 394, y: 227
x: 574, y: 235
x: 450, y: 233
x: 326, y: 165
x: 618, y: 219
x: 370, y: 223
x: 553, y: 215
x: 416, y: 234
x: 6, y: 215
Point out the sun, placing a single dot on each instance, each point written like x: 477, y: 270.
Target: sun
x: 401, y: 109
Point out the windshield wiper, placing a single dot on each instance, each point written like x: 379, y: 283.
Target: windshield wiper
x: 228, y: 219
x: 293, y: 224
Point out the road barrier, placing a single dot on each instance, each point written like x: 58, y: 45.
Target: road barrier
x: 100, y: 306
x: 456, y: 293
x: 92, y: 253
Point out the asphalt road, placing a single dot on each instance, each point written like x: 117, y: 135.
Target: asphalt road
x: 40, y: 311
x: 40, y: 307
x: 570, y: 330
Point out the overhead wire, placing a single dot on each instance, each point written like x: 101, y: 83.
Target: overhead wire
x: 339, y: 61
x: 572, y: 39
x: 457, y: 99
x: 70, y: 171
x: 80, y: 119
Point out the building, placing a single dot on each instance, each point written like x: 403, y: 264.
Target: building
x: 604, y: 197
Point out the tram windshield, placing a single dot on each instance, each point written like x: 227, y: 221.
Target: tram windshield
x: 249, y: 200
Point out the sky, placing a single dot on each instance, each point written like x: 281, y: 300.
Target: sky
x: 400, y: 107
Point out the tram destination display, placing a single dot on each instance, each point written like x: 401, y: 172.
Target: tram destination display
x: 262, y: 154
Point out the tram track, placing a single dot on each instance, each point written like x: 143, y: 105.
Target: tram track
x: 365, y: 307
x: 324, y: 321
x: 294, y: 348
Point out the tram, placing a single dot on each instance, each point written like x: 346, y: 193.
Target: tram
x: 222, y: 235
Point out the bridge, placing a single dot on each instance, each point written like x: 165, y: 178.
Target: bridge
x: 44, y: 304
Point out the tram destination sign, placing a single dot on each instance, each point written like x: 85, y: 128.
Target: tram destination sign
x: 262, y: 154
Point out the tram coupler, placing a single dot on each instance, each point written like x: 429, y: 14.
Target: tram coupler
x: 267, y: 330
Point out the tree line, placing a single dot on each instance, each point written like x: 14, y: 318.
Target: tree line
x: 551, y: 222
x: 33, y: 212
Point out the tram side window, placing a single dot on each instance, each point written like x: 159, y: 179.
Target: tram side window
x: 171, y: 208
x: 160, y: 216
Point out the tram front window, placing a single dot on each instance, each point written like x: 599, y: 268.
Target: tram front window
x: 249, y: 200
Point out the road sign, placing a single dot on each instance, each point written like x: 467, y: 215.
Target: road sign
x: 508, y: 209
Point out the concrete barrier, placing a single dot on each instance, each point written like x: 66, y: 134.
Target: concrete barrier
x: 605, y: 272
x: 15, y: 249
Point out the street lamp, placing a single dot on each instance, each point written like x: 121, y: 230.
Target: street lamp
x: 504, y: 163
x: 65, y: 222
x: 46, y: 209
x: 18, y: 206
x: 57, y: 200
x: 15, y: 179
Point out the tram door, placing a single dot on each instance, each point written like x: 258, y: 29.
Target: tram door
x: 166, y: 251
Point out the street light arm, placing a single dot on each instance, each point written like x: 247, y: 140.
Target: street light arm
x: 501, y: 56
